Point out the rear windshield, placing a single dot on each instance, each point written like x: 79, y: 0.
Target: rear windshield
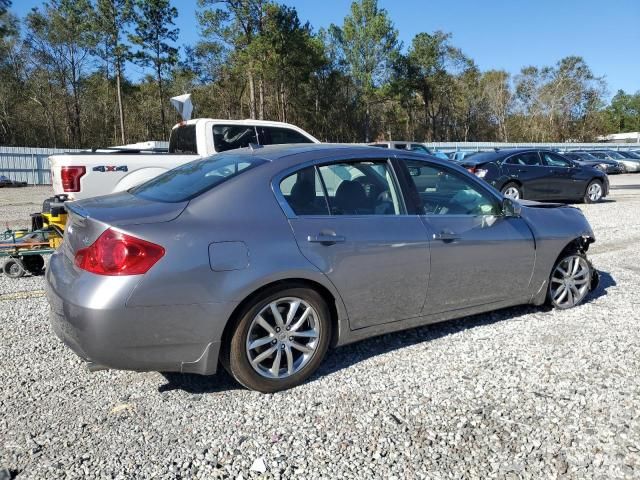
x: 183, y: 140
x: 194, y: 178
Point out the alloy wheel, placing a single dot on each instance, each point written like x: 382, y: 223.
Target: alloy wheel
x: 594, y: 192
x: 570, y: 281
x: 283, y: 337
x: 512, y: 192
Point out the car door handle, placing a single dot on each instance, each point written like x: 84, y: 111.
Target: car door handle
x: 446, y: 237
x: 326, y: 239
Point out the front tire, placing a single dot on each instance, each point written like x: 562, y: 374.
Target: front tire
x: 512, y: 190
x: 279, y: 340
x: 594, y: 192
x: 570, y: 281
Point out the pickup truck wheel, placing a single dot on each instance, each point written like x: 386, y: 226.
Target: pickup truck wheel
x: 13, y: 268
x: 570, y: 280
x: 279, y: 340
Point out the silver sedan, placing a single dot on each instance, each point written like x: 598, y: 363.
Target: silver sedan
x: 261, y: 259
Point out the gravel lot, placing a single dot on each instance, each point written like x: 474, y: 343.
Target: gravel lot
x: 520, y: 393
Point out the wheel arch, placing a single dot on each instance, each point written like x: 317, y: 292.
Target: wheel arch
x: 333, y: 302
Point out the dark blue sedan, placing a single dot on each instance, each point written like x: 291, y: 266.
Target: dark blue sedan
x: 536, y: 174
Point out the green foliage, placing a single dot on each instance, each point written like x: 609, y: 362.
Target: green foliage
x: 63, y: 82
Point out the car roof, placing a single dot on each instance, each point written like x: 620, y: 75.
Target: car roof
x: 291, y: 153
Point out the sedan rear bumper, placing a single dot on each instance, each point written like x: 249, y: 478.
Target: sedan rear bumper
x: 176, y: 338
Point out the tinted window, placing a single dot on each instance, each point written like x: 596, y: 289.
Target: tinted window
x: 599, y: 155
x: 183, y: 140
x: 555, y: 160
x: 443, y: 192
x: 276, y: 135
x: 229, y: 137
x: 194, y: 178
x: 416, y: 147
x: 303, y: 192
x: 530, y: 159
x: 361, y: 188
x: 400, y: 146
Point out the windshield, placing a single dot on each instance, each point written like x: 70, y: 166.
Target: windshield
x: 588, y: 156
x: 194, y: 178
x: 615, y: 155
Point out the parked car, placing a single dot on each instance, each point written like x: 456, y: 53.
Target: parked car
x: 538, y: 175
x: 630, y: 154
x: 459, y: 155
x: 6, y: 182
x: 630, y: 165
x: 587, y: 160
x: 412, y: 146
x: 263, y: 258
x: 90, y: 174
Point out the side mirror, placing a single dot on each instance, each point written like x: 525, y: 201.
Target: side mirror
x: 511, y: 208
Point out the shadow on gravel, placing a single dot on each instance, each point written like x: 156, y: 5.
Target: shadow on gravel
x: 348, y: 355
x: 192, y: 383
x: 606, y: 281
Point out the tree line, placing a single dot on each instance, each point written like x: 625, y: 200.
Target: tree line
x: 65, y: 78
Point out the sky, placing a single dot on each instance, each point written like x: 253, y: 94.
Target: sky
x: 497, y: 34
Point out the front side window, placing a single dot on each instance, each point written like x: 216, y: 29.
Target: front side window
x: 279, y: 135
x: 194, y: 178
x: 230, y: 137
x: 555, y: 160
x: 444, y: 192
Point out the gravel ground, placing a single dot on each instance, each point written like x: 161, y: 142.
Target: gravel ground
x: 520, y: 393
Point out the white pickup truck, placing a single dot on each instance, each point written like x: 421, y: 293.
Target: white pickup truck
x: 89, y: 174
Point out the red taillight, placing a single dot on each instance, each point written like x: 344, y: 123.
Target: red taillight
x: 70, y: 177
x: 116, y: 253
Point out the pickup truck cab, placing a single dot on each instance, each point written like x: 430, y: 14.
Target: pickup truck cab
x: 93, y: 173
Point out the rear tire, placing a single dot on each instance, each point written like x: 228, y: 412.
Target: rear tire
x: 594, y: 192
x: 269, y: 354
x: 13, y: 268
x: 512, y: 190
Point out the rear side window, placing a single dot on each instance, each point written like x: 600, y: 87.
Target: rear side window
x: 303, y: 192
x: 230, y: 137
x: 278, y: 135
x: 183, y: 140
x: 354, y: 188
x: 529, y: 159
x: 194, y: 178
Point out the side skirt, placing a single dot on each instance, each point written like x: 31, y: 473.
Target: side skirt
x: 375, y: 330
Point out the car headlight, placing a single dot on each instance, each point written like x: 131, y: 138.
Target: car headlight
x: 603, y: 166
x: 480, y: 172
